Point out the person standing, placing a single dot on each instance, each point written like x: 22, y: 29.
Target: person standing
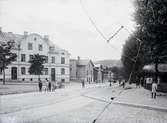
x: 49, y: 86
x: 40, y: 85
x: 154, y: 89
x: 83, y: 83
x: 123, y: 83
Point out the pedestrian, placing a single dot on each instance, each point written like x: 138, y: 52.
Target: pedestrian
x: 83, y: 83
x: 110, y: 82
x: 46, y: 85
x: 123, y: 83
x: 49, y: 86
x: 138, y: 84
x: 154, y: 89
x: 119, y: 82
x: 40, y: 84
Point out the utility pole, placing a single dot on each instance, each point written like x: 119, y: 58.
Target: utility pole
x: 134, y: 60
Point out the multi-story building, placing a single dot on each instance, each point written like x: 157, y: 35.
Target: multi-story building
x: 81, y: 69
x: 56, y: 66
x: 98, y: 73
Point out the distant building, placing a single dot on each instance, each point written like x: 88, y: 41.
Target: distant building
x: 98, y: 73
x: 56, y: 67
x: 81, y: 69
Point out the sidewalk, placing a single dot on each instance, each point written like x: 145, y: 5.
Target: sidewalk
x: 17, y: 87
x: 140, y: 97
x: 134, y: 97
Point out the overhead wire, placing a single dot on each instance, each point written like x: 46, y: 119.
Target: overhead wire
x: 92, y: 22
x: 115, y: 33
x: 108, y: 39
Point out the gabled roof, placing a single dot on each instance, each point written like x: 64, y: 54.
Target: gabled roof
x: 5, y: 37
x: 97, y: 65
x: 85, y: 62
x: 17, y: 38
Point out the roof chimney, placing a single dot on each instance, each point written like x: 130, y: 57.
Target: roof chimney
x: 46, y: 37
x: 78, y: 58
x: 25, y: 33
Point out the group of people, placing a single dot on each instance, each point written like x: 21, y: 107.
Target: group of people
x: 122, y: 83
x: 47, y: 87
x: 154, y: 85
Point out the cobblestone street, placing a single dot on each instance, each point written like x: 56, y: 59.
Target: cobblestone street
x: 76, y: 105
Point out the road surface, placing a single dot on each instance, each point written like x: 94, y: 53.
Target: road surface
x: 69, y: 105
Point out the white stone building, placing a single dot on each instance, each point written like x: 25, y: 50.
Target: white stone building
x: 56, y: 67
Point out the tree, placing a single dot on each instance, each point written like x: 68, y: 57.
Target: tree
x: 37, y: 62
x: 118, y: 72
x: 6, y: 56
x: 150, y: 17
x: 132, y: 63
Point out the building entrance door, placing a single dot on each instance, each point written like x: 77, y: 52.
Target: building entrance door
x: 14, y: 73
x: 53, y: 74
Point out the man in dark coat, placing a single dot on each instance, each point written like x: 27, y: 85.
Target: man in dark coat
x: 40, y: 85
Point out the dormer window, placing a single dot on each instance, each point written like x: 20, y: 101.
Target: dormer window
x: 35, y: 38
x: 40, y: 48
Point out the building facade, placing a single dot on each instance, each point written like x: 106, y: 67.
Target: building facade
x: 98, y: 73
x: 56, y: 66
x: 81, y: 69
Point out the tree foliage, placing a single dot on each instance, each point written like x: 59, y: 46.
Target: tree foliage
x: 132, y: 62
x: 118, y: 72
x: 151, y: 16
x: 6, y: 56
x: 37, y: 66
x: 151, y: 20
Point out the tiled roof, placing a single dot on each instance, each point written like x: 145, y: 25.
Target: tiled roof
x: 84, y: 62
x: 17, y: 38
x: 4, y: 37
x: 97, y: 65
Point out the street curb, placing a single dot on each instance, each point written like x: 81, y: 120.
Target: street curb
x: 95, y: 98
x: 141, y: 106
x: 156, y: 108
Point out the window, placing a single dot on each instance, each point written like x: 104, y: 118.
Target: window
x: 70, y: 67
x: 46, y: 59
x: 62, y: 71
x: 62, y: 60
x: 15, y: 59
x: 23, y: 57
x: 40, y: 48
x: 0, y: 71
x: 30, y: 57
x: 53, y: 59
x: 63, y: 80
x: 35, y: 38
x: 30, y: 46
x: 45, y: 71
x: 23, y: 70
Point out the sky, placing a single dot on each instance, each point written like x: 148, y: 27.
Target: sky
x: 68, y: 26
